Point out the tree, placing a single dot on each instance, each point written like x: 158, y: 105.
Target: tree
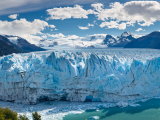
x: 35, y: 116
x: 1, y: 114
x: 8, y: 114
x: 23, y: 117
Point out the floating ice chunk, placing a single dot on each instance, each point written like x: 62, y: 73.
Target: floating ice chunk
x: 122, y: 104
x: 94, y: 117
x: 134, y: 105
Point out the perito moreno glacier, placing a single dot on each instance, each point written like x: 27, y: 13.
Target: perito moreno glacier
x: 72, y: 75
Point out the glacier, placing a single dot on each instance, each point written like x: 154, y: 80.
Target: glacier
x: 98, y: 75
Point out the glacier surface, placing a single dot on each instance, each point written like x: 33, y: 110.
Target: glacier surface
x: 98, y: 75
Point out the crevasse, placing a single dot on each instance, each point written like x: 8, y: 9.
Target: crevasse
x: 77, y: 76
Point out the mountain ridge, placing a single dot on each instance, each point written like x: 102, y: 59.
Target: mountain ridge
x: 151, y: 40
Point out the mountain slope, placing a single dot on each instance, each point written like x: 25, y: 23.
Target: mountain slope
x: 151, y: 40
x: 6, y: 48
x: 24, y: 44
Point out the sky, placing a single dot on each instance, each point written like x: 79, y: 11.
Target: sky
x: 35, y: 20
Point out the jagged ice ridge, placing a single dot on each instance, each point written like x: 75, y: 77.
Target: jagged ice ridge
x: 73, y: 75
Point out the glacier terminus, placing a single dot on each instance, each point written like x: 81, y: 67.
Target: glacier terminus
x: 96, y: 75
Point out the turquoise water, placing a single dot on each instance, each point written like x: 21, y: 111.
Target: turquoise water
x: 149, y: 110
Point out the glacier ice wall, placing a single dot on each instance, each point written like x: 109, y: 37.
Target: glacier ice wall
x: 77, y: 76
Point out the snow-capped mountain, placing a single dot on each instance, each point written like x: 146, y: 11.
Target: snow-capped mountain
x: 23, y: 44
x: 119, y: 41
x: 109, y: 41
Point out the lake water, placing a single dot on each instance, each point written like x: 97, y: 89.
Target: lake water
x: 149, y: 110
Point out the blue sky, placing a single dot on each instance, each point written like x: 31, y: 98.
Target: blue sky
x: 38, y: 19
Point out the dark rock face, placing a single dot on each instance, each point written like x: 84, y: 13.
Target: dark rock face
x: 6, y: 48
x: 151, y: 40
x: 22, y: 46
x: 25, y: 45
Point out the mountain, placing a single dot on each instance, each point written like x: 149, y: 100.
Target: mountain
x: 151, y: 40
x: 109, y: 41
x: 6, y: 48
x: 14, y: 44
x: 119, y: 41
x: 23, y: 44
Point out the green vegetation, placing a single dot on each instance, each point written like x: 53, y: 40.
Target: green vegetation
x: 7, y: 114
x: 35, y: 116
x: 23, y: 117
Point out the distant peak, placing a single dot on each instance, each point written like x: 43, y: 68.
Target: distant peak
x: 109, y: 36
x: 125, y: 34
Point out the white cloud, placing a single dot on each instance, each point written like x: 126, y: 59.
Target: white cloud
x: 44, y: 36
x: 98, y: 6
x: 145, y: 13
x: 83, y: 28
x: 140, y: 29
x: 24, y: 28
x: 15, y: 6
x: 90, y: 25
x: 14, y: 16
x: 122, y: 26
x: 52, y: 26
x: 59, y: 35
x: 68, y: 12
x: 74, y: 40
x: 113, y: 24
x: 72, y: 37
x: 55, y: 29
x: 87, y: 27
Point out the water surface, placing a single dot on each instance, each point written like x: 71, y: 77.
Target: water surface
x: 149, y: 110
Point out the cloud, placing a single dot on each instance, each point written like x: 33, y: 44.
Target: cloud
x: 19, y: 6
x: 14, y: 16
x: 72, y: 37
x: 83, y: 28
x: 74, y: 40
x: 44, y: 36
x: 52, y: 26
x: 59, y: 35
x: 68, y: 12
x: 140, y: 29
x: 87, y: 27
x: 122, y: 26
x: 98, y: 6
x: 145, y: 13
x: 113, y: 24
x: 90, y: 25
x: 25, y: 29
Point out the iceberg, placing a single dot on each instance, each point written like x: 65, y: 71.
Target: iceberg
x: 76, y: 75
